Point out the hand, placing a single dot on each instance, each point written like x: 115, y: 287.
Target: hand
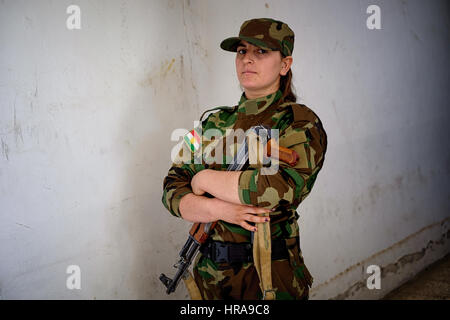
x: 239, y: 214
x: 196, y: 183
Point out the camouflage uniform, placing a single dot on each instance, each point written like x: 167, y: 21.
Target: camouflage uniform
x: 299, y: 129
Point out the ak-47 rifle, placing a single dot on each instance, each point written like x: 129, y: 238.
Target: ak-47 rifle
x: 200, y: 232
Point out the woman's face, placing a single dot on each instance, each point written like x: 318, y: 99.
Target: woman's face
x: 259, y: 70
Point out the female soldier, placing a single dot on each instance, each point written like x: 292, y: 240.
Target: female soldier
x: 242, y: 200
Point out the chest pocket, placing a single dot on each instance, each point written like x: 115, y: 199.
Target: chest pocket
x: 297, y: 140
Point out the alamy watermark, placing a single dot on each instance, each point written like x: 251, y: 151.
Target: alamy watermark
x: 73, y: 281
x: 374, y: 20
x: 74, y: 20
x: 198, y: 147
x: 374, y: 281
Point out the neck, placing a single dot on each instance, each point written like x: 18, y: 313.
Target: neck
x: 255, y: 95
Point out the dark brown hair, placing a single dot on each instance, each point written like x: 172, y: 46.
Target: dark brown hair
x: 286, y: 87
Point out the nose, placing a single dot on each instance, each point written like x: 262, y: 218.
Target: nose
x: 248, y: 57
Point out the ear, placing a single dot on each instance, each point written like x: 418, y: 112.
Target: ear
x: 286, y: 64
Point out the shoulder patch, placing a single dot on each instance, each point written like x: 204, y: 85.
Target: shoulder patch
x: 193, y: 140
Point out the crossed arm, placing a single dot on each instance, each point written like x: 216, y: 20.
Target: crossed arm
x: 225, y: 205
x: 220, y: 184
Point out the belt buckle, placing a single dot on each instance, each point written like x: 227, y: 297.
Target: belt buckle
x: 221, y: 252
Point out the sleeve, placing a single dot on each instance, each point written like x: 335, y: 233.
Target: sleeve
x: 289, y: 186
x: 177, y: 183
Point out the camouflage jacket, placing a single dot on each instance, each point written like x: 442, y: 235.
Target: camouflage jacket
x: 299, y: 128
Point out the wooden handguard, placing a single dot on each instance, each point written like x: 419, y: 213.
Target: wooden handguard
x: 198, y: 233
x: 284, y: 154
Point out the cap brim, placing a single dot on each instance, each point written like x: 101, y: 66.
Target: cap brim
x: 231, y: 44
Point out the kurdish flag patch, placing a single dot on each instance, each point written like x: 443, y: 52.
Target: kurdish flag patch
x: 193, y: 140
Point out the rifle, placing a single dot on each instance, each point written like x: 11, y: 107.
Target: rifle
x: 200, y: 232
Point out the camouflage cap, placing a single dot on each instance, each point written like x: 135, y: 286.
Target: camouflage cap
x: 265, y: 33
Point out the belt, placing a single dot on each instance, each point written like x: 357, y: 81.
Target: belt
x: 225, y: 252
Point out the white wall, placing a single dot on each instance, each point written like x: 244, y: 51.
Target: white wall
x: 86, y: 117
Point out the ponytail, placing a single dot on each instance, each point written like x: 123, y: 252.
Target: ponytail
x: 286, y: 88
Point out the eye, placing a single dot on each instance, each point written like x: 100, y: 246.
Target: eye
x: 262, y: 51
x: 241, y: 51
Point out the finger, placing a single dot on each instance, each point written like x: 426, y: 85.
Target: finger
x: 256, y: 210
x: 248, y: 227
x: 257, y: 219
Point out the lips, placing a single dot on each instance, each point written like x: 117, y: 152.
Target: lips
x: 248, y: 72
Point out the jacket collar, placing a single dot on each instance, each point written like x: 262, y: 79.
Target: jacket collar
x: 258, y: 105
